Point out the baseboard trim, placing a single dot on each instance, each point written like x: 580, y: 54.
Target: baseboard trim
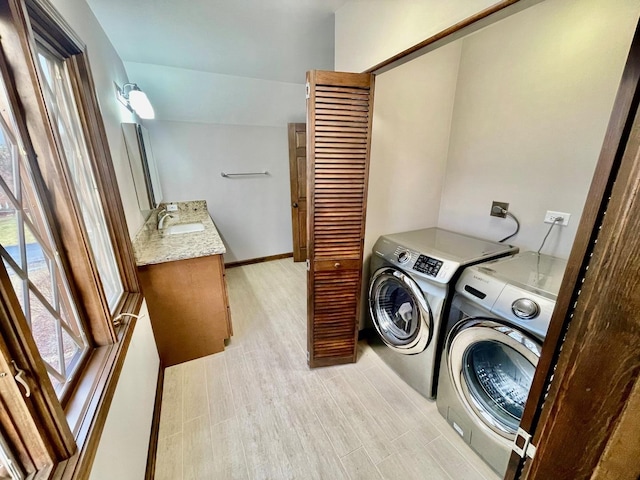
x: 258, y: 260
x: 155, y: 426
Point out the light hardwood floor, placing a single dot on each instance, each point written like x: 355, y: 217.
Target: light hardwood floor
x: 256, y: 411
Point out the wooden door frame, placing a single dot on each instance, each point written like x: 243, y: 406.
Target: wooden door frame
x: 597, y: 314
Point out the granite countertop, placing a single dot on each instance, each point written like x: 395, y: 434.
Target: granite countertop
x: 156, y: 246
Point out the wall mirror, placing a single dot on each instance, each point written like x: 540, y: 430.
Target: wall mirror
x: 143, y: 166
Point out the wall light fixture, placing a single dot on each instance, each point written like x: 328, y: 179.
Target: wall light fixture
x: 135, y: 100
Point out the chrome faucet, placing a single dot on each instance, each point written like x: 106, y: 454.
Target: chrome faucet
x: 162, y: 215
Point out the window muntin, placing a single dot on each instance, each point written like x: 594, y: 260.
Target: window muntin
x: 30, y: 257
x: 60, y: 99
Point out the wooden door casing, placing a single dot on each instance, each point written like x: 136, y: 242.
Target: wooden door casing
x: 339, y: 117
x: 298, y: 181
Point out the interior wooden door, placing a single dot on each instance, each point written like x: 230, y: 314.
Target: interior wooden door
x: 298, y: 179
x: 339, y: 116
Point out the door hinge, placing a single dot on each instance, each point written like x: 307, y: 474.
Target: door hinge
x: 308, y: 265
x: 528, y: 449
x: 307, y: 90
x: 308, y: 356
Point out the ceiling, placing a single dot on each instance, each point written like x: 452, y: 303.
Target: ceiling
x: 267, y: 39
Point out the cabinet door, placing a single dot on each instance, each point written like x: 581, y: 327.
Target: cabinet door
x: 187, y: 306
x: 339, y: 115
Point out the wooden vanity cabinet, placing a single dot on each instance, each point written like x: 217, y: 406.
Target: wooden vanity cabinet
x: 188, y: 306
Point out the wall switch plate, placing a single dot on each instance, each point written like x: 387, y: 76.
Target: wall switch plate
x: 551, y: 216
x: 500, y: 211
x: 172, y: 207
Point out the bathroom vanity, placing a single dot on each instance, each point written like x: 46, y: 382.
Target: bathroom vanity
x: 181, y: 270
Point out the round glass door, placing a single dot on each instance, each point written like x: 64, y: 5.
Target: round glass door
x: 499, y: 378
x: 398, y: 310
x: 491, y: 366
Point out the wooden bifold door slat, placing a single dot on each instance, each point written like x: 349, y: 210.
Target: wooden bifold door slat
x: 339, y: 115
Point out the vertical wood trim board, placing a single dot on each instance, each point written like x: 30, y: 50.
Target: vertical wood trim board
x: 339, y: 117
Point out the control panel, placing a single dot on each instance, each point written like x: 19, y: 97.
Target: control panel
x: 435, y: 270
x: 427, y: 265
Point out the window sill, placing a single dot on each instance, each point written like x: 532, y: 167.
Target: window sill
x: 88, y: 406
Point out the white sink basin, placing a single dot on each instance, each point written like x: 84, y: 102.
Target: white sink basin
x: 185, y: 228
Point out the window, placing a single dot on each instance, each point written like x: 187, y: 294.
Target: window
x: 59, y: 96
x: 68, y: 268
x: 32, y: 262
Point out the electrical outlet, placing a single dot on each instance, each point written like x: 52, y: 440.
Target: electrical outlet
x: 499, y: 209
x: 551, y: 216
x: 172, y: 207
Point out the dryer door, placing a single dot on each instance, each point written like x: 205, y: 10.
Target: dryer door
x: 491, y: 366
x: 400, y: 311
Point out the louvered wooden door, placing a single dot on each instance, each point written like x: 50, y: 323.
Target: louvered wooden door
x: 339, y: 114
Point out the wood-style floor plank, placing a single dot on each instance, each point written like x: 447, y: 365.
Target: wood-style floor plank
x: 169, y: 458
x: 336, y: 425
x: 194, y: 390
x: 171, y: 411
x: 197, y: 450
x: 420, y: 424
x: 385, y: 415
x: 360, y: 467
x: 452, y: 461
x: 220, y: 398
x: 412, y: 465
x: 228, y: 451
x: 374, y: 439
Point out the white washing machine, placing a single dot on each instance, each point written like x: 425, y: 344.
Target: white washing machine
x: 411, y: 274
x: 497, y: 322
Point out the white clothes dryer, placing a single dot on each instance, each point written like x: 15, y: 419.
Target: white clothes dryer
x: 411, y: 274
x: 497, y: 322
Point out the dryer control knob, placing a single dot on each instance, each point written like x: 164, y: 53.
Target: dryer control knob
x: 525, y: 308
x: 404, y: 256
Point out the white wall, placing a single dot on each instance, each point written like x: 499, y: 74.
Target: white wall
x: 409, y: 145
x: 370, y: 31
x: 533, y: 100
x: 214, y: 123
x: 122, y: 452
x: 252, y: 213
x: 124, y: 445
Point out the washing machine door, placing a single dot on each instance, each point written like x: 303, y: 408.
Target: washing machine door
x: 491, y: 367
x: 400, y: 311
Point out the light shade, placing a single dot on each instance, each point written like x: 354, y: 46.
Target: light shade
x: 141, y: 104
x: 135, y: 100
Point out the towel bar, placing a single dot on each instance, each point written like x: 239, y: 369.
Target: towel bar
x: 227, y: 175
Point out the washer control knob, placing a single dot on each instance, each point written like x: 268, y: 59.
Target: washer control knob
x: 525, y: 308
x: 404, y: 256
